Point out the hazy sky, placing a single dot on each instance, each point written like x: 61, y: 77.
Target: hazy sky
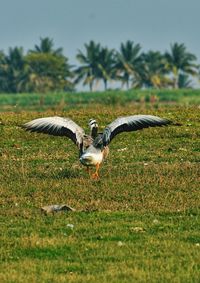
x: 71, y: 23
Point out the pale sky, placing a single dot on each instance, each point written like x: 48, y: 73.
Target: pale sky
x: 71, y: 23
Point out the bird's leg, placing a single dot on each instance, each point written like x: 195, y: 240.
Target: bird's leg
x: 88, y: 170
x: 95, y: 175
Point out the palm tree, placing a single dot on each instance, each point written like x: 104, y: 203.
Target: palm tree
x: 14, y: 71
x: 179, y: 60
x: 106, y: 65
x: 2, y: 56
x: 2, y: 71
x: 46, y: 46
x: 184, y: 81
x: 153, y: 71
x: 88, y: 71
x: 128, y: 61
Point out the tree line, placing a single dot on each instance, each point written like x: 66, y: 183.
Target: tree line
x: 46, y: 69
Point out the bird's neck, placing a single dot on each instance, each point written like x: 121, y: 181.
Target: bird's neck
x: 94, y: 132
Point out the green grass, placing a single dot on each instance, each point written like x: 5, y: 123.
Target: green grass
x: 138, y: 223
x: 66, y: 101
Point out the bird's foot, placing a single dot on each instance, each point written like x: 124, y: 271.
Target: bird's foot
x: 95, y: 176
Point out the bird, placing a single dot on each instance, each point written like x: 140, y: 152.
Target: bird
x: 94, y: 147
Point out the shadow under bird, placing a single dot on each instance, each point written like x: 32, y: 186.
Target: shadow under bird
x: 93, y: 148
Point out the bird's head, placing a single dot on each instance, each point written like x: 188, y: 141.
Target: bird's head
x: 93, y: 128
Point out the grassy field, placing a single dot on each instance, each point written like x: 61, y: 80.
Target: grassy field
x: 66, y: 101
x: 138, y: 223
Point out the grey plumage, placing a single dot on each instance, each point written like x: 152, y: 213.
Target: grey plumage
x: 131, y: 123
x: 57, y: 126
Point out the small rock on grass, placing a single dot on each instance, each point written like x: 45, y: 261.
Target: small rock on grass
x: 56, y: 208
x: 120, y: 244
x: 138, y: 229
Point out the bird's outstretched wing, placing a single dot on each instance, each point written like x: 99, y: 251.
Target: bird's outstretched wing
x: 131, y: 123
x: 57, y: 126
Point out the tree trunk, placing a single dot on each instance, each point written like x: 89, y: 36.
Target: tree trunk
x: 105, y: 84
x: 127, y: 81
x: 127, y: 84
x: 91, y: 86
x: 176, y: 82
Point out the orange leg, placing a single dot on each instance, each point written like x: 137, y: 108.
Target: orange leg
x: 96, y: 174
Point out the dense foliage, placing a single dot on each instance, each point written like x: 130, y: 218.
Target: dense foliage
x: 45, y: 68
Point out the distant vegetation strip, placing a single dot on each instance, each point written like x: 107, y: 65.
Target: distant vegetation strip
x: 47, y: 69
x: 62, y: 100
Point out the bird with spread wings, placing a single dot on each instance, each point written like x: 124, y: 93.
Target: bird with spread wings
x: 93, y: 148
